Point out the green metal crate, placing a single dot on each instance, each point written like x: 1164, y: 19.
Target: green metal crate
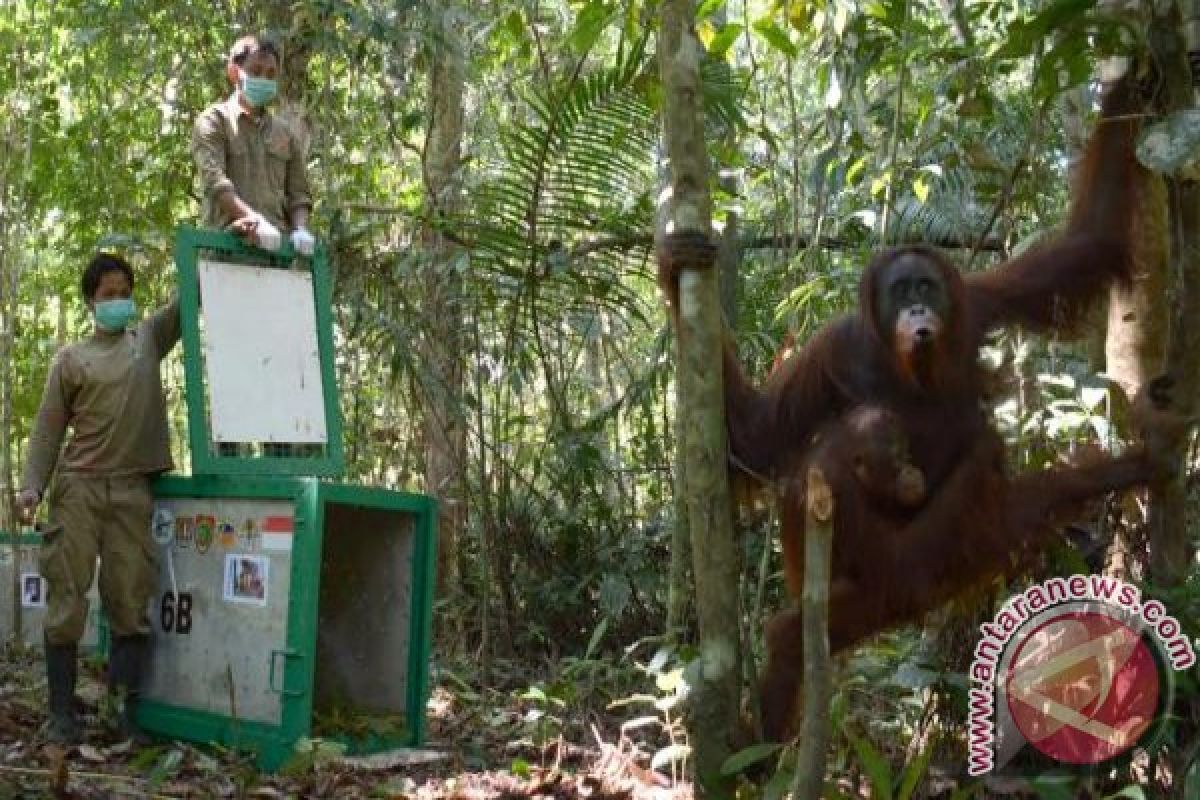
x: 18, y: 558
x: 283, y: 601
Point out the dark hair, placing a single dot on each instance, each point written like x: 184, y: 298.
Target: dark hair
x: 248, y: 46
x: 100, y: 264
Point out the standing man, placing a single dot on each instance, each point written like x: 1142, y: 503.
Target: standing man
x: 108, y: 391
x: 251, y: 165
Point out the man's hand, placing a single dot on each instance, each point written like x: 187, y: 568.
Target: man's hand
x: 245, y: 226
x: 303, y: 242
x: 255, y: 229
x: 27, y: 503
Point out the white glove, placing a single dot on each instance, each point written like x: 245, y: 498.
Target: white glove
x: 303, y: 242
x: 269, y: 237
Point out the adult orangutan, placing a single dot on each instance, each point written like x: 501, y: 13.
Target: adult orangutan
x: 912, y: 349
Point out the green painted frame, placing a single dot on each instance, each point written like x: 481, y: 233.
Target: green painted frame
x: 27, y: 537
x: 423, y: 571
x: 188, y: 244
x: 274, y: 744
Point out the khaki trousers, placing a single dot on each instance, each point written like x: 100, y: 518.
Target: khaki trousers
x: 94, y: 516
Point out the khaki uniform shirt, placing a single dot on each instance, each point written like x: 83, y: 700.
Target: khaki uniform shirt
x: 258, y: 157
x: 108, y: 390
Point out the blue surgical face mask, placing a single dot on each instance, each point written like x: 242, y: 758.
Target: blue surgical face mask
x: 257, y: 91
x: 114, y: 315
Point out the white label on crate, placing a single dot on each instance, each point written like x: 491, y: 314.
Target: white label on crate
x: 246, y: 579
x: 33, y: 590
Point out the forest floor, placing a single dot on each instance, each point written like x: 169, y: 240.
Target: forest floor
x: 492, y: 744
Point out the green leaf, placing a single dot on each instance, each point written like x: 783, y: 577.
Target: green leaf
x: 739, y: 761
x: 591, y: 22
x: 775, y: 36
x: 724, y: 39
x: 876, y: 766
x: 1133, y: 793
x: 921, y: 189
x: 1054, y: 787
x: 708, y: 8
x: 914, y: 772
x: 597, y: 635
x: 1025, y: 36
x: 780, y: 784
x: 520, y: 768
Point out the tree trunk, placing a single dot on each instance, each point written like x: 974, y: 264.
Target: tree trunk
x: 818, y: 668
x: 443, y: 425
x: 16, y: 170
x: 1170, y: 551
x: 716, y: 675
x: 1135, y: 343
x: 295, y: 51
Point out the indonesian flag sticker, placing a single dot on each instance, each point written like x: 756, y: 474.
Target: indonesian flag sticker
x: 277, y: 532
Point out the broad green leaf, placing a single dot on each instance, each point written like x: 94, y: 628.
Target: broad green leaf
x: 724, y: 39
x: 753, y: 754
x: 875, y: 765
x: 777, y: 37
x: 590, y: 23
x: 1025, y: 36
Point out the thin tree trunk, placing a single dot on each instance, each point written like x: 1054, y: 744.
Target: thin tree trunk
x: 443, y: 425
x: 714, y: 708
x: 818, y: 668
x: 14, y: 215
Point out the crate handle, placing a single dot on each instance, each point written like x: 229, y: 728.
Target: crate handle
x: 286, y: 653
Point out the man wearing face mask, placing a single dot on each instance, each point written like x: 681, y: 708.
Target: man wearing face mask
x: 251, y: 165
x: 108, y: 391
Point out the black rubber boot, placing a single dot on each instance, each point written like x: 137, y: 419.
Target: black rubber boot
x: 61, y: 725
x: 126, y: 670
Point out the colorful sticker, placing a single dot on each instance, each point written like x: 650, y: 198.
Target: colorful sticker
x: 246, y: 579
x: 33, y: 590
x: 185, y: 532
x: 205, y: 530
x: 278, y: 532
x: 162, y: 527
x: 250, y: 535
x: 227, y: 534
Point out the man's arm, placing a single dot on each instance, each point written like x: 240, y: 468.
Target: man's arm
x: 163, y: 326
x: 296, y: 193
x: 49, y: 427
x: 208, y: 151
